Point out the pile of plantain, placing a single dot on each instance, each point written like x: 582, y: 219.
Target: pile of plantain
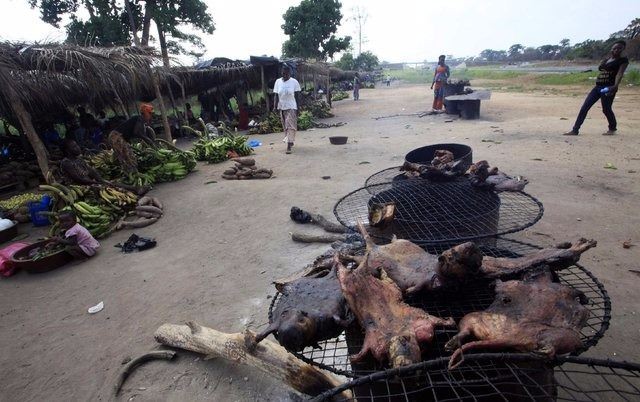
x: 217, y: 150
x: 17, y: 207
x: 155, y: 165
x: 97, y: 208
x: 246, y: 169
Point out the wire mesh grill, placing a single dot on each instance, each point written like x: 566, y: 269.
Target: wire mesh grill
x: 498, y: 377
x: 440, y: 212
x: 333, y: 354
x: 392, y: 174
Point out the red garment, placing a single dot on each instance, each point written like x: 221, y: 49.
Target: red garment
x: 7, y: 267
x: 243, y: 119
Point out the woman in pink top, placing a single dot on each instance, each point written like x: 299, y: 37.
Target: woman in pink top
x: 77, y: 239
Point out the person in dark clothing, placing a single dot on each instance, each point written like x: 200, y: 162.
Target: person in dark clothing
x: 121, y: 135
x: 76, y: 170
x: 611, y: 72
x: 189, y: 114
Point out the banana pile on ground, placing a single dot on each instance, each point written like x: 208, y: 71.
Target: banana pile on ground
x: 217, y: 149
x: 339, y: 95
x: 166, y: 163
x: 246, y: 169
x: 17, y: 208
x: 148, y: 211
x: 97, y: 208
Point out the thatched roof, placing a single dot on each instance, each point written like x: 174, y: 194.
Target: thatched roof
x: 50, y: 77
x: 201, y: 80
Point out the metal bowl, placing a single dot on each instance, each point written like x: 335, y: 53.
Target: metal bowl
x: 340, y: 140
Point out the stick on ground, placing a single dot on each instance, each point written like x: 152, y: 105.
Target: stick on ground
x: 266, y: 356
x: 314, y: 238
x: 133, y: 364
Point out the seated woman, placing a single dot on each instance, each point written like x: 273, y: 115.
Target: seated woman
x: 135, y: 127
x: 76, y: 238
x: 76, y: 170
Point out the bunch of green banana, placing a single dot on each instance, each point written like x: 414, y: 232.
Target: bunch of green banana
x: 140, y: 179
x: 169, y: 171
x: 67, y: 194
x: 215, y: 151
x: 97, y: 221
x: 19, y: 200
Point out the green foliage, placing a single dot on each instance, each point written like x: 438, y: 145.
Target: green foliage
x: 311, y: 27
x: 485, y: 74
x: 632, y: 77
x: 566, y: 78
x: 108, y: 21
x: 366, y: 61
x: 346, y: 62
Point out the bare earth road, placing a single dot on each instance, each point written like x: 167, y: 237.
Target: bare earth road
x: 220, y: 245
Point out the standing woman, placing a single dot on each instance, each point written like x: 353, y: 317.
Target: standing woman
x: 135, y: 127
x: 356, y: 87
x: 607, y: 82
x: 287, y: 90
x: 440, y: 77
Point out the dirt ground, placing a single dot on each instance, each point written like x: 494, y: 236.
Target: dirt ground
x: 221, y: 244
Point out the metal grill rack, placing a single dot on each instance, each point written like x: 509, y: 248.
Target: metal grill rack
x: 441, y: 212
x: 333, y: 354
x: 498, y: 377
x: 389, y: 175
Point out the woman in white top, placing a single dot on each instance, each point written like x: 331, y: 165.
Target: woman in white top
x: 287, y: 90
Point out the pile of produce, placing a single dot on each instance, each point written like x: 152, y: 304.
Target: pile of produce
x: 339, y: 95
x: 17, y: 207
x: 41, y: 252
x: 18, y: 172
x: 319, y: 109
x: 148, y: 211
x: 305, y: 120
x: 273, y: 123
x: 246, y: 169
x: 163, y: 164
x: 218, y: 149
x: 98, y: 208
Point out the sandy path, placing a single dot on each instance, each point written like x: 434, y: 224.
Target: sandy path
x: 221, y: 244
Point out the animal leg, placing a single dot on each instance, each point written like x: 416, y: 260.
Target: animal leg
x: 458, y: 356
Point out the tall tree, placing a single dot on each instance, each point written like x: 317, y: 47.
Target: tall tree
x: 366, y: 61
x: 346, y: 62
x: 117, y: 23
x: 515, y: 51
x: 311, y: 27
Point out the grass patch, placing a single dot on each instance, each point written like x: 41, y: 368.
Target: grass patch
x: 413, y: 75
x: 485, y: 74
x: 581, y: 78
x: 631, y: 77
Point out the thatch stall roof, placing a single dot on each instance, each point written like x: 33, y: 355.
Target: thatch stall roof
x: 51, y: 77
x: 37, y: 80
x: 229, y: 74
x: 341, y: 75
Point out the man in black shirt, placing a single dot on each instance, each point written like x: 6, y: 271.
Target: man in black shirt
x: 607, y: 82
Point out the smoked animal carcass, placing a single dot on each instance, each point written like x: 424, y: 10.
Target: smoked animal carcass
x: 414, y: 270
x: 394, y: 331
x: 481, y: 175
x: 532, y: 315
x: 556, y: 258
x: 310, y: 309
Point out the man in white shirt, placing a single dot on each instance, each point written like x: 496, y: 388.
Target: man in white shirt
x: 287, y: 90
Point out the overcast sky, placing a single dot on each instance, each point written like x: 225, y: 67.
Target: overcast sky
x: 398, y: 30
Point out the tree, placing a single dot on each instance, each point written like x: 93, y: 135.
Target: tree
x: 115, y: 23
x: 632, y: 30
x: 493, y: 55
x: 311, y: 27
x: 346, y: 62
x: 515, y: 51
x: 366, y: 61
x: 548, y: 52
